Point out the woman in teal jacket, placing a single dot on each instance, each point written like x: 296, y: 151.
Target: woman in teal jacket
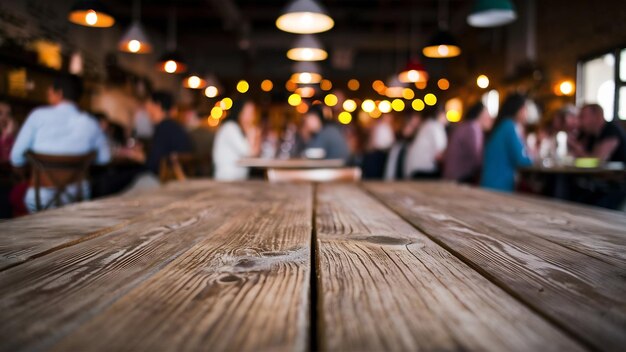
x: 505, y: 150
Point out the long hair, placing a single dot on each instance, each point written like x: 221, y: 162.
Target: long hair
x: 511, y: 106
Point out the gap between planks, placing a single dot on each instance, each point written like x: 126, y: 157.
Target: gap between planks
x: 491, y: 278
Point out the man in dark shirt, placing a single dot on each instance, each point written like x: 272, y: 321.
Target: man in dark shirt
x: 169, y: 137
x: 606, y: 140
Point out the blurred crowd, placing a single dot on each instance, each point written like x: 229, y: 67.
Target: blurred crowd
x: 482, y: 149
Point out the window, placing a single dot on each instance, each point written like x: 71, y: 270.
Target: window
x: 597, y: 83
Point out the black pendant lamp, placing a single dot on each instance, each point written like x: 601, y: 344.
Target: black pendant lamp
x: 442, y: 45
x: 171, y: 61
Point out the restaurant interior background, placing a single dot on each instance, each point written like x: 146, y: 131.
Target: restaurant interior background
x: 550, y: 43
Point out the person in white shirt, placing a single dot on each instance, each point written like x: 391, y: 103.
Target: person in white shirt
x: 428, y: 147
x: 237, y: 138
x: 60, y: 129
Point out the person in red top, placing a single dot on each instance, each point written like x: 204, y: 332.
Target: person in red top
x: 7, y: 131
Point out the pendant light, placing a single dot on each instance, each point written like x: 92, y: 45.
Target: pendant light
x: 91, y: 13
x: 135, y: 40
x: 306, y: 73
x: 491, y: 13
x: 413, y: 72
x: 194, y: 82
x: 304, y: 17
x: 213, y: 87
x: 307, y: 48
x: 442, y: 45
x: 171, y: 61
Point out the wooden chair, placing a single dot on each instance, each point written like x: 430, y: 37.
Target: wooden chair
x: 58, y: 172
x: 345, y: 174
x: 178, y: 167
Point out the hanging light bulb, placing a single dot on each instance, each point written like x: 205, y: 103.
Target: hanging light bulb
x: 413, y: 72
x: 171, y: 61
x: 135, y: 40
x: 307, y: 48
x: 491, y: 13
x: 91, y: 13
x: 306, y: 73
x: 304, y: 17
x: 442, y: 45
x: 194, y: 82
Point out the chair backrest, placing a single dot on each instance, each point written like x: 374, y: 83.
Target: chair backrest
x: 58, y: 172
x: 178, y: 166
x: 345, y: 174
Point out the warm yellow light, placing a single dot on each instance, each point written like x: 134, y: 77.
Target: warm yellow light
x: 441, y: 51
x: 330, y: 100
x: 378, y: 86
x: 375, y: 114
x: 453, y: 116
x: 306, y: 92
x: 418, y: 105
x: 566, y: 87
x: 408, y: 93
x: 226, y: 103
x: 213, y: 122
x: 430, y: 99
x: 306, y: 77
x: 326, y: 85
x: 482, y: 81
x: 420, y: 85
x: 397, y: 105
x: 345, y: 117
x: 267, y: 85
x: 211, y: 92
x: 302, y: 108
x: 384, y: 106
x: 354, y: 84
x: 170, y: 66
x: 134, y: 46
x: 194, y: 82
x: 242, y: 86
x: 412, y: 76
x: 368, y: 105
x: 294, y: 99
x: 307, y: 54
x: 304, y: 22
x: 217, y: 113
x: 443, y: 84
x: 291, y: 86
x: 349, y: 105
x: 91, y: 18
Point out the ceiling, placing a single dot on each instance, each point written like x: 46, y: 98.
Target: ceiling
x: 239, y: 37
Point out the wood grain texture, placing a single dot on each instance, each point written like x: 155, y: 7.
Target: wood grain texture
x: 31, y: 236
x: 44, y: 299
x: 516, y: 244
x: 385, y: 286
x: 243, y: 286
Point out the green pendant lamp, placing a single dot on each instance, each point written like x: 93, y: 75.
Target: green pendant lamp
x: 491, y: 13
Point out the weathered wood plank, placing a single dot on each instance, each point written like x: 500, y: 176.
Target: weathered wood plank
x: 584, y: 295
x: 384, y: 286
x: 44, y: 299
x: 244, y: 287
x: 35, y: 235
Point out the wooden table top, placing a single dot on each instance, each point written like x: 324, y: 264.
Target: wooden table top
x: 249, y: 266
x: 264, y: 163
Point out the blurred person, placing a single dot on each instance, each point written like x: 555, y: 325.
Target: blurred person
x: 381, y: 139
x: 325, y: 135
x: 505, y: 150
x: 7, y: 131
x: 202, y: 140
x: 116, y: 134
x: 605, y: 140
x: 238, y: 137
x: 425, y: 152
x: 463, y: 158
x: 60, y: 129
x: 394, y: 167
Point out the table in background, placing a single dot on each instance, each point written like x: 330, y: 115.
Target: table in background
x: 263, y: 163
x: 255, y: 266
